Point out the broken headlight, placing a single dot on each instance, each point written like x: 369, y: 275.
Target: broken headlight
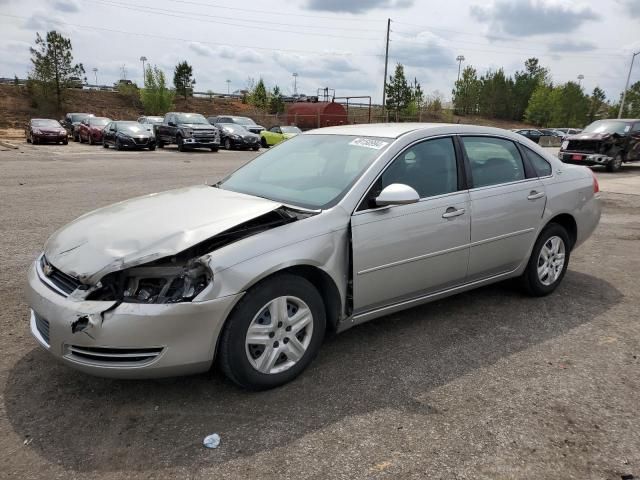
x: 168, y: 283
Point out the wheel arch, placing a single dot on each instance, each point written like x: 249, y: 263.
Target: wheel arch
x: 568, y: 222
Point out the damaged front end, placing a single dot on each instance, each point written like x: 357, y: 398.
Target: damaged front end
x: 178, y: 278
x: 161, y: 316
x: 593, y: 149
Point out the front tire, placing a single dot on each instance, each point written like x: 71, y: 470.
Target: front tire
x: 104, y: 144
x: 227, y: 144
x: 214, y: 149
x: 152, y: 148
x: 264, y: 143
x: 548, y: 262
x: 180, y: 143
x: 273, y: 333
x: 615, y: 164
x: 117, y: 145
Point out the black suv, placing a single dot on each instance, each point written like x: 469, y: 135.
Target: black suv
x: 187, y: 131
x: 604, y: 142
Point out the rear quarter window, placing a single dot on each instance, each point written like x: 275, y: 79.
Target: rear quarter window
x: 541, y: 166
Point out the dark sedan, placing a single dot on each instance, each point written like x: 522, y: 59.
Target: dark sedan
x: 236, y: 136
x: 531, y: 134
x: 44, y: 130
x: 134, y: 135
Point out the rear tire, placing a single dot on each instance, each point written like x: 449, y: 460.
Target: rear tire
x: 615, y: 164
x: 548, y: 262
x: 256, y: 148
x: 291, y: 346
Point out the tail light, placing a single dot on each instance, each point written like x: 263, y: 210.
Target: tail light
x: 596, y: 185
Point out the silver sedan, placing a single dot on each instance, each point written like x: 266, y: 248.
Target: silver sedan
x: 330, y: 229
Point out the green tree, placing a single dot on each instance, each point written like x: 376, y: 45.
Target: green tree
x: 631, y: 104
x: 276, y: 103
x: 258, y: 96
x: 183, y: 79
x: 399, y: 93
x: 467, y: 92
x: 540, y: 108
x: 495, y: 98
x: 53, y: 67
x: 524, y: 84
x: 570, y: 106
x: 156, y: 97
x: 598, y: 105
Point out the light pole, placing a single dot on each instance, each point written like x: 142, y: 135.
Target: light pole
x: 626, y: 87
x: 295, y: 84
x: 95, y: 72
x: 143, y: 59
x: 228, y: 85
x: 459, y: 59
x: 580, y: 78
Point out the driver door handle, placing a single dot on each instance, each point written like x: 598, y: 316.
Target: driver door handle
x: 453, y: 212
x: 534, y: 195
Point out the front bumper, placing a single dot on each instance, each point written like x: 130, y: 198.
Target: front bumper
x: 196, y: 142
x: 132, y: 340
x: 245, y: 142
x: 43, y: 138
x: 582, y: 158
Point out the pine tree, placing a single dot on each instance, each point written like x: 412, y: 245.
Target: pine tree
x: 53, y: 66
x: 183, y: 79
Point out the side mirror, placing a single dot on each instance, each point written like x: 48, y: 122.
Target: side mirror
x: 171, y: 124
x: 397, y: 194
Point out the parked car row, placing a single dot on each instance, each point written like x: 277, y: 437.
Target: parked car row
x: 535, y: 133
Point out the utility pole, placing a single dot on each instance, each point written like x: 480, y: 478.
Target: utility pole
x: 626, y: 87
x: 228, y: 85
x: 386, y: 64
x: 295, y: 84
x: 459, y: 59
x: 143, y: 59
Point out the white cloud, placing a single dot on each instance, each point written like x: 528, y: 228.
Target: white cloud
x: 533, y: 17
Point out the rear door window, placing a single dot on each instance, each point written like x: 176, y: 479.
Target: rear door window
x: 493, y: 161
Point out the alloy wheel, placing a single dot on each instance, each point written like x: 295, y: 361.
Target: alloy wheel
x: 279, y: 335
x: 551, y: 260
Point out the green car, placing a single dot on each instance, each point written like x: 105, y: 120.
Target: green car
x: 277, y: 134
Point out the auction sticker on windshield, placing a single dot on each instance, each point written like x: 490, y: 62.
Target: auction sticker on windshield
x: 369, y: 143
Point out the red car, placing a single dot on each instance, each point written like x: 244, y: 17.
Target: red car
x: 45, y: 130
x: 90, y: 129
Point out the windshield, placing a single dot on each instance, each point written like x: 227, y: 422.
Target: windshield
x: 290, y: 130
x: 99, y: 121
x: 134, y: 128
x: 607, y: 126
x: 232, y: 127
x: 310, y: 171
x: 154, y: 119
x: 46, y: 123
x: 243, y: 121
x: 78, y: 117
x: 194, y: 118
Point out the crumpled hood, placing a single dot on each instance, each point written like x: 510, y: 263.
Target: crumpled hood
x: 589, y: 136
x: 147, y: 228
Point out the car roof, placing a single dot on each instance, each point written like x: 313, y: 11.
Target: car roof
x: 396, y: 130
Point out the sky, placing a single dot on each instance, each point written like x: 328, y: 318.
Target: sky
x: 338, y: 44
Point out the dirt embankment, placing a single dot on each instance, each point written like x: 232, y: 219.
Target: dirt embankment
x: 16, y: 107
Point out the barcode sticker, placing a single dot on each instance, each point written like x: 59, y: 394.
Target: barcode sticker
x: 369, y: 143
